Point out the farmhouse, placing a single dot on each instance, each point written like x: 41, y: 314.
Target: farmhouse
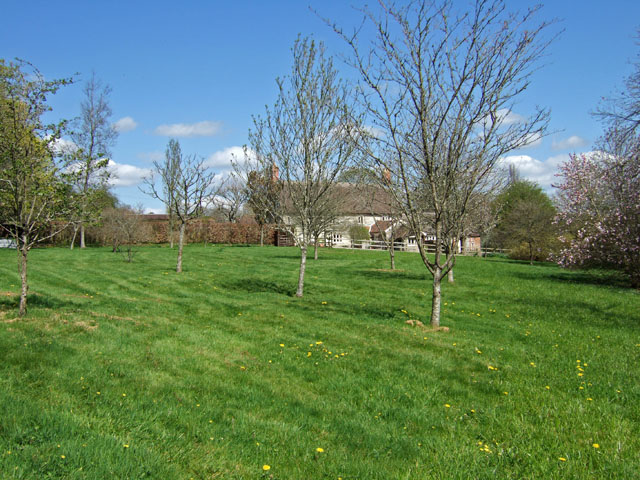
x: 368, y: 210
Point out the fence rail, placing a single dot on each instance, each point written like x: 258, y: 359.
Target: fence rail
x: 403, y: 247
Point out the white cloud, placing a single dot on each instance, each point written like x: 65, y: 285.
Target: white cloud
x: 533, y: 140
x: 151, y: 210
x: 573, y: 142
x: 222, y: 158
x: 123, y: 175
x: 62, y: 146
x: 507, y: 117
x: 541, y: 172
x: 199, y: 129
x: 125, y: 124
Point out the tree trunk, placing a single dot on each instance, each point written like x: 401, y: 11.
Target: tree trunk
x: 392, y: 255
x: 73, y: 239
x: 530, y: 254
x: 303, y: 265
x: 392, y: 250
x: 435, y: 305
x: 171, y: 225
x: 180, y: 246
x: 262, y: 235
x: 23, y: 252
x: 82, y: 244
x: 315, y: 250
x: 450, y: 275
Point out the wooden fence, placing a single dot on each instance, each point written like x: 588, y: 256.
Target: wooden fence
x: 403, y: 247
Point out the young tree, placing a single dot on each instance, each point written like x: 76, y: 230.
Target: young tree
x: 93, y: 137
x: 169, y: 172
x: 305, y: 137
x: 438, y: 85
x: 123, y: 227
x: 34, y: 193
x: 195, y: 189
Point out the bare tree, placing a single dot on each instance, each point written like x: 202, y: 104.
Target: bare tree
x: 124, y: 229
x: 439, y: 85
x: 305, y: 138
x: 93, y: 136
x: 232, y: 198
x: 34, y: 193
x: 195, y: 189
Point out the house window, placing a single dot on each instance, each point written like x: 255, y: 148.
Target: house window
x: 361, y: 220
x: 336, y: 237
x: 412, y: 240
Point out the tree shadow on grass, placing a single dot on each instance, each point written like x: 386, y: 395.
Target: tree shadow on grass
x: 33, y: 300
x: 385, y: 274
x: 255, y: 285
x: 586, y: 277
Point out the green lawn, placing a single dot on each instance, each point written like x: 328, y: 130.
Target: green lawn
x: 133, y: 371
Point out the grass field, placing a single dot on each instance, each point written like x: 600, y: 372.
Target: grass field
x: 133, y: 371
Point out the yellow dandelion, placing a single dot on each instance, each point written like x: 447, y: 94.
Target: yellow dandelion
x: 447, y: 405
x: 266, y: 468
x: 320, y: 450
x: 126, y: 445
x: 62, y: 456
x: 548, y: 387
x: 124, y: 394
x: 596, y: 445
x: 282, y: 344
x: 97, y: 393
x: 308, y: 354
x: 324, y: 303
x: 506, y: 393
x: 562, y: 459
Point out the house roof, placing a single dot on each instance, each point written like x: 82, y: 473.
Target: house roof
x: 380, y: 226
x: 353, y: 199
x: 155, y: 216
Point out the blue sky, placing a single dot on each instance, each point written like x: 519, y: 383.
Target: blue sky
x: 198, y: 70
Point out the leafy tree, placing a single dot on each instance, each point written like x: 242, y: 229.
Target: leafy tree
x: 93, y: 136
x: 263, y: 195
x: 438, y: 84
x: 526, y: 219
x: 358, y: 233
x: 305, y: 138
x: 34, y: 193
x: 169, y: 173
